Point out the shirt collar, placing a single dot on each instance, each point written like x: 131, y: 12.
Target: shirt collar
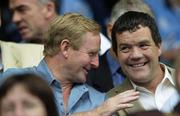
x: 167, y: 75
x: 47, y: 75
x: 113, y: 63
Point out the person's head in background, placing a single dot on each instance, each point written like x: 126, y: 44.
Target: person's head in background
x: 26, y: 95
x: 124, y: 6
x: 32, y: 17
x: 173, y: 4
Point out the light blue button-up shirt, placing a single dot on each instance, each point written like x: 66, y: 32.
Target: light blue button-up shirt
x: 82, y: 96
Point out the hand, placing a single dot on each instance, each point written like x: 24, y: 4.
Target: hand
x: 113, y: 104
x: 118, y: 102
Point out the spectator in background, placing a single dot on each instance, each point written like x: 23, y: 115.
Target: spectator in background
x: 137, y: 44
x: 174, y: 7
x: 26, y: 95
x: 169, y: 26
x: 109, y: 74
x: 32, y: 17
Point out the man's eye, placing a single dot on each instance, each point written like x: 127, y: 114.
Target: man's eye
x: 144, y: 46
x: 93, y: 54
x: 22, y: 9
x: 124, y: 49
x: 8, y: 108
x: 28, y: 105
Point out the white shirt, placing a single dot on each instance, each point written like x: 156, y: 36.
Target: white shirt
x: 105, y: 44
x: 165, y: 98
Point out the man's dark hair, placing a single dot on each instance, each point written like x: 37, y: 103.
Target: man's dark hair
x: 131, y: 21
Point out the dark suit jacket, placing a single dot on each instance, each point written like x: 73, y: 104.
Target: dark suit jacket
x: 177, y: 108
x: 127, y: 86
x: 100, y: 78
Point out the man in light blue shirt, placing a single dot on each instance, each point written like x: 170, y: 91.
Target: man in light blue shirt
x: 71, y: 49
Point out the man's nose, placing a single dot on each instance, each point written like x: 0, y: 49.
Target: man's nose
x: 136, y: 53
x: 95, y: 61
x: 16, y: 17
x: 19, y: 111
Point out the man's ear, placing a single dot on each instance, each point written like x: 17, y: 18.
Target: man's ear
x: 49, y: 10
x: 65, y: 47
x: 109, y: 30
x: 159, y: 49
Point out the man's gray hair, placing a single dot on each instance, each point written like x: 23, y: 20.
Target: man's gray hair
x: 129, y: 5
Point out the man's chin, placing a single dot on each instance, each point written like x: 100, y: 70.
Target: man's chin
x: 26, y: 37
x: 31, y: 40
x: 82, y: 81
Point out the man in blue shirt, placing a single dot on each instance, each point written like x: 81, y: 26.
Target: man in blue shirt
x: 71, y: 49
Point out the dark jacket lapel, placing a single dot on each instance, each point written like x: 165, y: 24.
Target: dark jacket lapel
x: 100, y: 78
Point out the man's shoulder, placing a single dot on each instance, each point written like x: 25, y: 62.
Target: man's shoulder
x: 126, y: 85
x: 13, y: 71
x: 114, y: 91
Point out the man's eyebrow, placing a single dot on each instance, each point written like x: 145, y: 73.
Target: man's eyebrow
x: 124, y: 44
x: 19, y: 7
x: 144, y: 42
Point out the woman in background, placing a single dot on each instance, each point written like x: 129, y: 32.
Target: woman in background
x: 26, y: 95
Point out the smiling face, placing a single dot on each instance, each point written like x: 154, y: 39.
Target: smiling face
x: 30, y: 18
x: 19, y: 102
x: 138, y: 55
x: 82, y: 60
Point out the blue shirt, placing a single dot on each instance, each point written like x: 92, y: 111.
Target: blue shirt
x: 114, y: 66
x: 78, y: 6
x: 82, y: 97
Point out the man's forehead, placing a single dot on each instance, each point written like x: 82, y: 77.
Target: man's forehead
x: 17, y: 3
x: 141, y: 34
x: 142, y: 30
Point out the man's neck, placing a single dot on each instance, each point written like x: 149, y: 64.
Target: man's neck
x: 158, y: 77
x: 66, y: 90
x: 56, y: 67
